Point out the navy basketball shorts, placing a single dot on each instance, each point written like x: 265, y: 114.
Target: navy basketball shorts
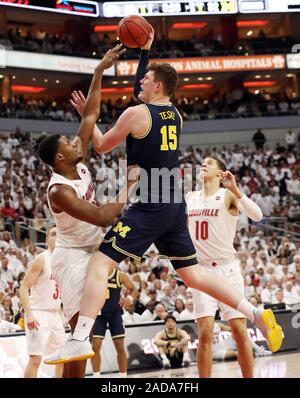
x: 165, y: 225
x: 114, y: 322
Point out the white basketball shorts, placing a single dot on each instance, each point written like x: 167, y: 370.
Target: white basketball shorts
x: 49, y: 336
x: 69, y: 268
x: 206, y: 305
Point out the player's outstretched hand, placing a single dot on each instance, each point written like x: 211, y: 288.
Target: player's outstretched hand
x: 78, y: 101
x: 111, y: 56
x: 148, y: 45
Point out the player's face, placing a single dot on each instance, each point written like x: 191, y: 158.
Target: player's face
x: 148, y: 87
x: 68, y: 150
x: 210, y: 169
x: 51, y: 238
x: 170, y: 324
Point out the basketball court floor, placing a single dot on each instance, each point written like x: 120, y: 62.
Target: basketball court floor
x: 286, y: 365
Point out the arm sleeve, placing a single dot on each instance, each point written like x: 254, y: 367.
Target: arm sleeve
x: 248, y: 207
x: 141, y: 71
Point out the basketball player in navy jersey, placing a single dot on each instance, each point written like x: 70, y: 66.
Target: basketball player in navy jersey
x: 152, y: 133
x: 111, y: 316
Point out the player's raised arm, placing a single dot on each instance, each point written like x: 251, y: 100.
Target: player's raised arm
x: 143, y: 63
x: 91, y: 109
x: 239, y: 200
x: 116, y: 135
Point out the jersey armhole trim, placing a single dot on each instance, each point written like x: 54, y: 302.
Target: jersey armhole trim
x: 181, y: 120
x: 147, y: 131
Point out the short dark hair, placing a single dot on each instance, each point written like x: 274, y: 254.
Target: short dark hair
x: 170, y: 317
x: 220, y: 163
x: 166, y: 74
x: 48, y: 148
x: 49, y: 227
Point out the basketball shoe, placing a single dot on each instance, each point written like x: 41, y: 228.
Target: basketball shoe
x: 265, y: 321
x: 72, y: 350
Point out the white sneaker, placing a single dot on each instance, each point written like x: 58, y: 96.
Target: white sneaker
x: 72, y: 350
x: 165, y: 363
x: 186, y: 361
x: 262, y: 352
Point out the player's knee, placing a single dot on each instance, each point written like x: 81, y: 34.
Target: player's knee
x: 205, y: 336
x: 96, y: 345
x: 240, y: 334
x: 35, y: 361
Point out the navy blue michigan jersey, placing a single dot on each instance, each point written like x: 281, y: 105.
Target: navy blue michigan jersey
x: 156, y: 150
x: 158, y: 147
x: 159, y: 215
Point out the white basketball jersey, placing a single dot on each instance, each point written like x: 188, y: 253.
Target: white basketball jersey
x: 211, y: 226
x: 73, y: 233
x: 44, y: 294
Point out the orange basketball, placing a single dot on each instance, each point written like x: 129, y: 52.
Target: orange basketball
x: 133, y: 31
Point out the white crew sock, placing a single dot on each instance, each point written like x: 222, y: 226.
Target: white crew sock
x: 96, y: 375
x: 122, y: 375
x: 186, y: 356
x: 247, y: 309
x: 163, y: 356
x: 83, y: 328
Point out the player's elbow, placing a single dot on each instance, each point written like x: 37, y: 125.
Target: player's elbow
x: 258, y: 216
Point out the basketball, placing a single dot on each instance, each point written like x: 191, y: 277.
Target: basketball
x: 133, y: 31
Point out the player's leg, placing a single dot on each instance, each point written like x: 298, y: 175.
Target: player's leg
x: 32, y: 367
x: 99, y: 331
x: 74, y: 369
x: 186, y: 360
x: 94, y: 294
x: 56, y: 339
x: 36, y: 341
x: 204, y: 349
x: 121, y: 355
x: 245, y: 353
x: 86, y: 273
x: 59, y: 371
x: 163, y: 352
x: 117, y: 332
x: 96, y: 359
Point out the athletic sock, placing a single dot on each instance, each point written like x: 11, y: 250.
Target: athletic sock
x: 83, y: 328
x: 186, y: 356
x: 122, y: 375
x: 96, y: 375
x: 247, y: 309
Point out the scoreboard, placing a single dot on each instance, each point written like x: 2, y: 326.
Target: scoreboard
x: 257, y: 6
x: 165, y: 8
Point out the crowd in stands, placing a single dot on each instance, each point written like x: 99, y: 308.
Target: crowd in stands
x: 235, y: 104
x: 270, y: 263
x: 197, y: 46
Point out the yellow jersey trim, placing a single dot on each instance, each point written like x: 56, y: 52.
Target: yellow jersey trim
x: 119, y: 336
x: 113, y: 242
x: 179, y: 258
x: 148, y: 128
